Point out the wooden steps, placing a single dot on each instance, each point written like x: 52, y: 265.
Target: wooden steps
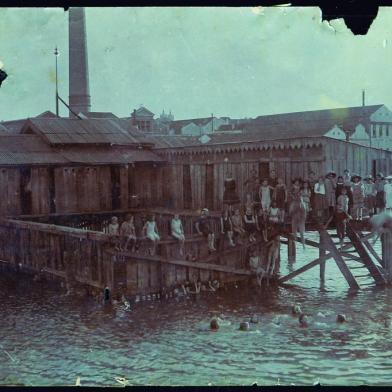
x: 374, y: 270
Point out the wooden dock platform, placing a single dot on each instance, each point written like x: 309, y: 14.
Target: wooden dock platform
x: 84, y: 256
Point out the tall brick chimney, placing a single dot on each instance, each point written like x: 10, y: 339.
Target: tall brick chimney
x: 79, y: 91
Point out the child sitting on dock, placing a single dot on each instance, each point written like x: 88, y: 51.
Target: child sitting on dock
x: 113, y: 231
x: 249, y: 203
x: 227, y: 226
x: 203, y: 227
x: 274, y: 216
x: 128, y: 233
x: 251, y: 225
x: 151, y: 232
x: 177, y: 231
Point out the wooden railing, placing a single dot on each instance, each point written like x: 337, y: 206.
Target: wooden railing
x: 89, y: 258
x: 100, y: 221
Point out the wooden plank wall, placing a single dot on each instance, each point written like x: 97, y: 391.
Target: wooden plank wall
x: 82, y: 189
x: 10, y: 190
x: 40, y: 197
x: 358, y: 159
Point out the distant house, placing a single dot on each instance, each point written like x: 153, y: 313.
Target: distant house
x: 366, y: 125
x: 143, y: 119
x: 197, y: 126
x: 378, y: 128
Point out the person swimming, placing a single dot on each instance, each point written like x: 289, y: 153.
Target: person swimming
x: 244, y: 326
x: 296, y: 309
x: 214, y: 325
x: 303, y: 320
x: 341, y: 318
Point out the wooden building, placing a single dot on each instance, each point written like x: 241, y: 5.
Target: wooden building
x: 58, y: 165
x: 197, y: 167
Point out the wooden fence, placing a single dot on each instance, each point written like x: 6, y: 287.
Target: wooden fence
x: 88, y: 258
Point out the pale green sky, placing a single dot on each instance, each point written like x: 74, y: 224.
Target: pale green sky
x: 237, y: 62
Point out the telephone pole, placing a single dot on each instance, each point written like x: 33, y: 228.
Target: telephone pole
x: 56, y: 54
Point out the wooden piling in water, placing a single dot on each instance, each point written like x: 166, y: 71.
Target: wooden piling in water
x: 386, y: 242
x: 291, y: 249
x: 322, y: 253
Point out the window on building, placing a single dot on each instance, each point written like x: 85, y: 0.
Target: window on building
x: 380, y: 130
x: 374, y: 130
x: 388, y: 130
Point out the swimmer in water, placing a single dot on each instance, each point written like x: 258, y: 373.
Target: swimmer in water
x: 341, y: 318
x: 214, y: 325
x: 303, y: 320
x: 244, y: 326
x: 296, y: 309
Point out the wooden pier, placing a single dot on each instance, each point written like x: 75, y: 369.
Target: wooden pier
x: 76, y: 249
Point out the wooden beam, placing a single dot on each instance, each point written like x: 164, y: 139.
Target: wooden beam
x: 374, y: 271
x: 371, y: 250
x: 339, y: 261
x: 192, y: 264
x: 304, y: 268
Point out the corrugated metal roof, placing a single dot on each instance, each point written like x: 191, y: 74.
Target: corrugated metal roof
x: 115, y: 156
x: 31, y: 149
x: 89, y: 131
x: 347, y: 118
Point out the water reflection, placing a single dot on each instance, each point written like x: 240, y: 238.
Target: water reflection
x: 54, y: 339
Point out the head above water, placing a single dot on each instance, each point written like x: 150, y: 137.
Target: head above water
x: 303, y: 320
x: 296, y: 309
x: 341, y: 318
x: 214, y: 325
x: 244, y: 326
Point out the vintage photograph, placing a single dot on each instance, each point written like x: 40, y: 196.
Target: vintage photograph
x: 194, y: 196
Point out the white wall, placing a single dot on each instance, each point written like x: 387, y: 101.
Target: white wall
x: 336, y: 133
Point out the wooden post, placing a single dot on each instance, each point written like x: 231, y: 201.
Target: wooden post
x: 291, y: 250
x: 321, y: 254
x: 386, y: 241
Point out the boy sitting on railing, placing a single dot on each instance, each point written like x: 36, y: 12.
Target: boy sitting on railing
x: 177, y: 231
x: 113, y: 231
x: 151, y: 232
x: 203, y: 227
x: 128, y: 233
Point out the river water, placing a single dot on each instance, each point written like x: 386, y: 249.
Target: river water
x: 47, y: 338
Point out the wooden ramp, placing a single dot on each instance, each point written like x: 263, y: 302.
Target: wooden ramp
x: 362, y: 257
x: 365, y: 250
